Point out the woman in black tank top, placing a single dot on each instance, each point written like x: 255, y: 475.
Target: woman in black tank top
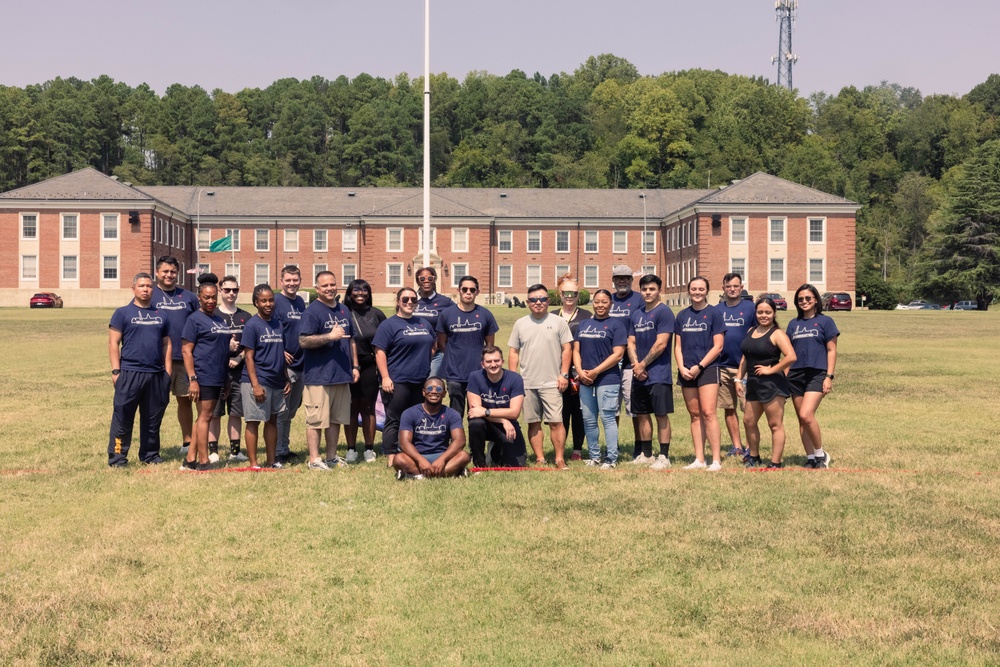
x: 767, y: 353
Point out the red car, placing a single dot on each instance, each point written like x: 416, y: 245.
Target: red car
x: 837, y: 301
x: 46, y: 300
x: 779, y: 301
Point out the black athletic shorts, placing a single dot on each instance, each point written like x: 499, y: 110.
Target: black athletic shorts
x: 708, y: 376
x: 801, y: 380
x: 652, y: 399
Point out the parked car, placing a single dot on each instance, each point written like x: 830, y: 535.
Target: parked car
x: 925, y: 306
x: 917, y: 305
x: 46, y: 300
x: 779, y: 301
x: 965, y: 305
x: 837, y: 301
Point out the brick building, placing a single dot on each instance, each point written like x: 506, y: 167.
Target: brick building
x: 84, y: 235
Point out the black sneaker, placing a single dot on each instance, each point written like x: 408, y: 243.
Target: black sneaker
x: 752, y: 462
x: 155, y: 461
x: 810, y: 463
x: 825, y: 461
x: 189, y: 465
x: 464, y: 473
x: 775, y: 466
x: 202, y: 467
x: 400, y: 476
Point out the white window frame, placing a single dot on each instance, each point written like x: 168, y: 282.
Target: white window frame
x: 204, y: 268
x: 591, y: 236
x: 235, y: 235
x: 76, y: 228
x: 104, y: 268
x: 622, y: 236
x: 509, y: 281
x: 344, y: 273
x: 460, y: 239
x: 434, y: 238
x: 505, y: 236
x: 233, y: 270
x: 257, y: 273
x: 394, y: 247
x: 458, y: 269
x: 181, y: 236
x: 105, y: 217
x: 648, y: 269
x: 734, y: 269
x: 204, y: 240
x: 770, y: 230
x: 563, y: 241
x: 76, y: 268
x: 389, y: 281
x: 257, y: 246
x: 291, y: 238
x: 649, y: 242
x: 29, y: 215
x: 561, y: 270
x: 822, y: 230
x: 591, y: 281
x: 316, y: 269
x: 822, y: 270
x: 321, y: 240
x: 349, y: 240
x: 528, y: 270
x: 533, y: 236
x: 770, y: 271
x: 35, y: 262
x: 735, y: 237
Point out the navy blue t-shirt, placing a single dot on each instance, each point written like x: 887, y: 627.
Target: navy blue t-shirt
x: 697, y: 329
x: 646, y: 327
x: 466, y: 333
x: 809, y: 338
x: 431, y: 308
x: 289, y: 313
x: 597, y: 339
x: 268, y: 345
x: 623, y: 309
x: 143, y: 331
x: 175, y: 307
x: 211, y: 336
x: 739, y: 320
x: 496, y: 395
x: 431, y: 433
x: 407, y: 345
x: 332, y: 363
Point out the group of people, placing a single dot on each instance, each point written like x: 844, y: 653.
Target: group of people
x: 568, y: 368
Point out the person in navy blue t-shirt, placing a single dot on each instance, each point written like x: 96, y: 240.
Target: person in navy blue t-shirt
x: 288, y: 309
x: 814, y: 339
x: 701, y: 334
x: 205, y: 344
x: 624, y: 302
x: 463, y: 330
x: 738, y: 314
x: 140, y: 354
x: 495, y: 397
x: 430, y: 305
x: 599, y: 346
x: 431, y: 439
x: 231, y: 401
x: 265, y: 381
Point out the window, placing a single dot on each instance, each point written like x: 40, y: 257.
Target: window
x: 204, y: 240
x: 394, y: 240
x: 505, y: 275
x: 562, y: 241
x: 460, y: 239
x: 534, y: 243
x: 181, y: 234
x: 457, y: 271
x: 261, y: 274
x: 29, y: 267
x: 649, y: 243
x: 69, y: 227
x: 620, y: 242
x: 110, y: 225
x: 262, y: 240
x: 816, y: 271
x: 29, y: 226
x: 69, y: 267
x: 505, y: 241
x: 648, y: 269
x: 433, y: 247
x: 316, y: 269
x: 816, y: 230
x: 110, y: 265
x: 233, y: 270
x: 394, y: 274
x: 683, y: 231
x: 738, y: 265
x: 777, y: 230
x: 737, y: 230
x: 561, y: 270
x: 319, y: 240
x: 590, y: 276
x: 291, y: 240
x: 777, y: 271
x: 590, y: 241
x: 534, y: 274
x: 694, y: 233
x: 348, y: 272
x: 204, y: 268
x: 235, y: 235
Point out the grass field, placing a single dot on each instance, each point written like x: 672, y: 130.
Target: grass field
x: 890, y: 558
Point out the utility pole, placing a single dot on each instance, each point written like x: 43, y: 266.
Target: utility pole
x: 785, y: 11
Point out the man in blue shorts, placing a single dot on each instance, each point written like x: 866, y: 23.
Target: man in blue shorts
x: 740, y: 317
x: 495, y: 397
x: 431, y: 439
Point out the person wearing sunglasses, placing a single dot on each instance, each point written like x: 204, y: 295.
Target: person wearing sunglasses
x: 463, y: 330
x: 572, y: 417
x: 541, y: 350
x: 231, y: 402
x: 739, y: 316
x: 431, y: 438
x: 288, y: 309
x: 624, y: 302
x: 364, y: 393
x: 814, y: 339
x: 403, y: 347
x: 429, y: 306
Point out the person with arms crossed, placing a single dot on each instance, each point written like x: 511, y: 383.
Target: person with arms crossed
x: 738, y: 315
x: 624, y: 302
x: 495, y: 397
x: 140, y: 355
x: 572, y: 418
x: 541, y: 350
x: 431, y: 439
x: 429, y: 306
x: 364, y: 393
x: 288, y: 309
x: 463, y: 330
x: 330, y: 366
x: 231, y: 401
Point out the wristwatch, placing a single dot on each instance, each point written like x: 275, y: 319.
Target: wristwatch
x: 566, y: 375
x: 487, y: 412
x: 192, y: 378
x: 357, y: 368
x: 116, y: 371
x: 829, y: 375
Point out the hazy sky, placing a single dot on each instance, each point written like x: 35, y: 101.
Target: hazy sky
x: 250, y: 43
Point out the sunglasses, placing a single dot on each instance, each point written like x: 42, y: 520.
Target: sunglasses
x: 569, y: 295
x: 537, y: 299
x: 407, y: 299
x: 231, y: 290
x: 434, y: 389
x: 805, y: 299
x: 469, y: 290
x: 425, y: 279
x: 360, y: 290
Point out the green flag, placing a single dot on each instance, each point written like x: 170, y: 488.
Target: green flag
x: 221, y: 245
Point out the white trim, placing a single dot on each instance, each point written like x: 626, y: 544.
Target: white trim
x: 597, y: 241
x: 746, y: 229
x: 256, y: 241
x: 388, y: 240
x: 230, y: 269
x: 20, y: 222
x: 596, y: 284
x: 388, y: 283
x: 500, y: 234
x: 642, y: 245
x: 527, y: 244
x: 510, y: 280
x: 569, y: 242
x: 62, y: 227
x: 528, y: 280
x: 809, y: 220
x: 62, y: 269
x: 822, y: 279
x: 118, y: 230
x: 20, y: 274
x: 256, y: 274
x: 343, y: 273
x: 771, y: 219
x: 207, y: 233
x: 316, y: 268
x: 118, y: 271
x: 457, y: 275
x: 565, y: 270
x: 465, y: 245
x: 295, y: 234
x: 349, y: 240
x: 326, y: 240
x: 784, y: 271
x: 614, y: 241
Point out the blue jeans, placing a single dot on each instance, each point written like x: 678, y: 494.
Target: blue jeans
x: 292, y: 403
x: 603, y: 401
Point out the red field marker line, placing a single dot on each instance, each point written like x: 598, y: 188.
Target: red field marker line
x: 853, y: 471
x: 149, y: 471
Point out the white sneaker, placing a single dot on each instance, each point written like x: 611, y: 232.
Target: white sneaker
x: 352, y: 456
x: 715, y: 467
x: 642, y: 460
x: 607, y: 465
x: 336, y: 462
x: 238, y: 456
x: 213, y: 457
x: 590, y: 463
x: 370, y: 456
x: 183, y: 450
x: 661, y: 463
x: 318, y: 464
x: 696, y: 465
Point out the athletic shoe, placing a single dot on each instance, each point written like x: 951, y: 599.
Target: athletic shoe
x: 183, y: 450
x: 402, y: 476
x: 825, y: 461
x: 810, y: 463
x: 736, y: 451
x: 118, y: 464
x: 257, y: 467
x: 238, y: 456
x: 715, y: 467
x: 352, y: 456
x: 318, y: 464
x: 576, y: 456
x: 752, y: 462
x: 155, y: 461
x: 642, y: 460
x: 464, y: 472
x: 696, y: 465
x: 590, y: 463
x: 607, y: 465
x: 370, y: 456
x: 202, y: 467
x: 213, y: 457
x: 775, y: 466
x: 277, y: 465
x: 336, y: 462
x: 661, y: 463
x: 189, y: 465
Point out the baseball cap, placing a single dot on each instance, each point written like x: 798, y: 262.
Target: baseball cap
x: 621, y: 270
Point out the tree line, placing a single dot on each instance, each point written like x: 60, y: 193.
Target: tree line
x: 924, y: 169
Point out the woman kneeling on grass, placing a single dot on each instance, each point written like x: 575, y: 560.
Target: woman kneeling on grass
x: 265, y: 380
x: 814, y: 338
x: 767, y: 352
x: 431, y: 438
x: 205, y: 350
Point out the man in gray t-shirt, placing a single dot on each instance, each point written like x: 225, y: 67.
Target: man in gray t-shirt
x: 541, y: 351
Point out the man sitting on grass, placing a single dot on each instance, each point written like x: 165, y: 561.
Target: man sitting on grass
x: 431, y: 438
x: 495, y: 397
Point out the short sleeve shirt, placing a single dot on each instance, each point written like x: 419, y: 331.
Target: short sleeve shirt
x: 739, y: 320
x: 211, y: 336
x: 431, y: 433
x: 430, y: 308
x: 645, y: 328
x: 496, y: 395
x: 809, y: 338
x: 407, y: 345
x: 597, y: 339
x: 697, y: 329
x: 175, y: 307
x: 466, y: 333
x: 289, y: 313
x: 143, y: 331
x: 332, y: 363
x: 623, y: 309
x: 539, y: 343
x: 267, y: 341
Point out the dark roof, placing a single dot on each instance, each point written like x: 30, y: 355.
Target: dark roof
x: 761, y: 188
x: 87, y: 183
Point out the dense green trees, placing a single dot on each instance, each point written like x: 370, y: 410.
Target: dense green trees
x: 910, y: 161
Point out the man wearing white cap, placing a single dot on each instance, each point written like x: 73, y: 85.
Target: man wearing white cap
x: 624, y: 302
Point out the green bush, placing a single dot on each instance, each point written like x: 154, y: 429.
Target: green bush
x: 878, y: 294
x: 584, y: 298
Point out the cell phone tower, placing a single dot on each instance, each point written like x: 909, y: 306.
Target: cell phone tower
x: 785, y: 11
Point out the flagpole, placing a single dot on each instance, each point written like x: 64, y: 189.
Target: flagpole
x: 427, y: 132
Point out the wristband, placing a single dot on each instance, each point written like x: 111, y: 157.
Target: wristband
x: 829, y: 375
x: 700, y: 366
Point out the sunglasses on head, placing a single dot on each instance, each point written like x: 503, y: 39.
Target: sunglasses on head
x: 537, y: 299
x: 434, y: 389
x: 231, y: 290
x: 407, y: 299
x: 469, y: 290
